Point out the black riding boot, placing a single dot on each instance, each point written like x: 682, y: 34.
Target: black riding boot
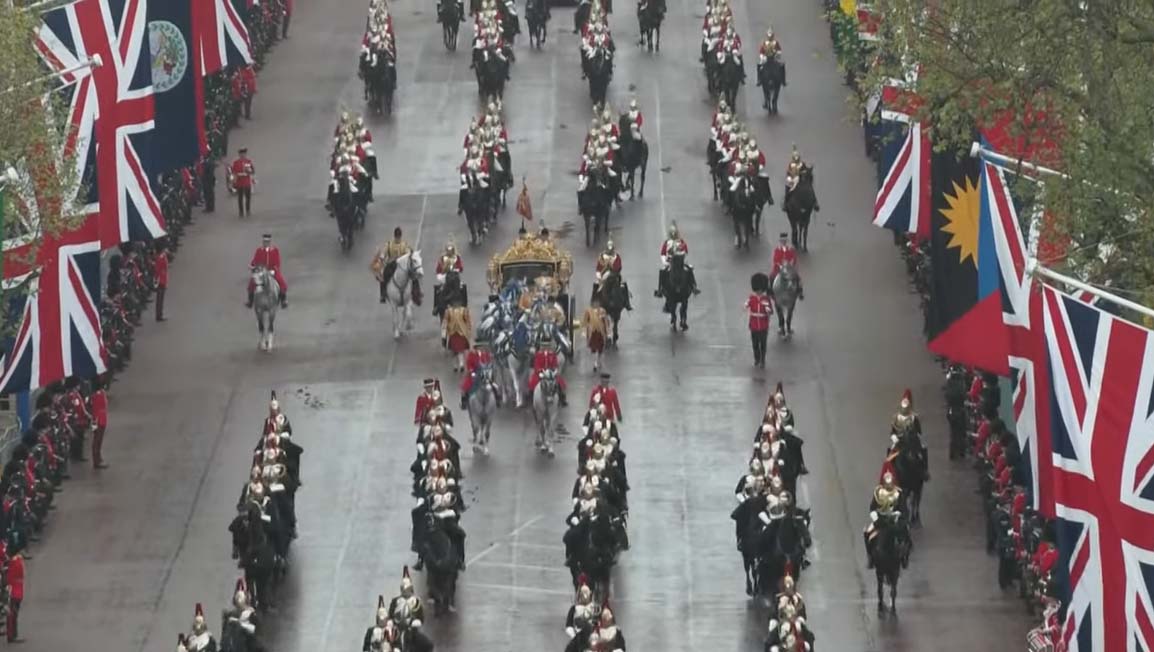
x: 461, y: 202
x: 662, y: 279
x: 384, y: 292
x: 283, y: 299
x: 693, y: 281
x: 248, y: 304
x: 561, y: 396
x: 869, y: 557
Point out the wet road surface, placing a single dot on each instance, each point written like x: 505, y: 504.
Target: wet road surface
x: 130, y: 551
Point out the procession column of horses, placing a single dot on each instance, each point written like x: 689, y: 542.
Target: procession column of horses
x: 596, y: 533
x: 772, y: 531
x: 262, y: 532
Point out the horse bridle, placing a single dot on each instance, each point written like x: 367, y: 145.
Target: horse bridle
x: 410, y: 269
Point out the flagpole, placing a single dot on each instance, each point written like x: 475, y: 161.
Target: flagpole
x: 93, y: 62
x: 1032, y: 267
x: 1005, y: 161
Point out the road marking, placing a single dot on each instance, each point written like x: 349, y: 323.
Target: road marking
x: 532, y: 567
x: 517, y: 589
x: 660, y: 158
x: 416, y: 247
x: 348, y: 535
x: 497, y: 544
x: 525, y: 525
x: 721, y: 346
x: 481, y: 555
x: 687, y: 542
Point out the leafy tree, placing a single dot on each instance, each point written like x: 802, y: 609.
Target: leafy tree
x: 1079, y: 70
x: 33, y: 132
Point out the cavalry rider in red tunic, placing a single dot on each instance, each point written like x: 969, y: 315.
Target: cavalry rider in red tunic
x: 546, y: 358
x: 674, y: 245
x: 427, y: 400
x: 478, y: 357
x: 268, y: 256
x: 606, y: 394
x: 784, y: 253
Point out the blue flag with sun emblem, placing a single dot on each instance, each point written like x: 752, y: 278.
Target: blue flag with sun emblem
x: 178, y: 89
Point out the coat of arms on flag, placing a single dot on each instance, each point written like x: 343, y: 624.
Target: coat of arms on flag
x: 524, y: 208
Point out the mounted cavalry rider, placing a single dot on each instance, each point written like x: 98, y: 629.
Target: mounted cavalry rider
x: 239, y: 622
x: 408, y: 613
x: 385, y: 261
x: 427, y: 400
x: 788, y: 597
x: 770, y: 46
x: 792, y: 173
x: 609, y: 262
x: 383, y: 636
x: 450, y: 261
x: 784, y: 253
x: 582, y: 616
x: 546, y: 358
x: 267, y: 255
x: 474, y: 174
x: 886, y: 510
x: 201, y: 639
x: 906, y: 421
x: 612, y: 640
x: 673, y: 246
x: 480, y: 356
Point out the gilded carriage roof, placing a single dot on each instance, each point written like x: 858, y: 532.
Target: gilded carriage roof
x: 531, y: 249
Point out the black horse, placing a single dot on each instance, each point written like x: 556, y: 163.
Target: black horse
x: 886, y: 554
x: 634, y: 156
x: 799, y: 206
x: 451, y: 292
x: 343, y: 203
x: 450, y: 14
x: 492, y: 73
x: 476, y: 204
x: 742, y: 206
x: 613, y: 295
x: 599, y: 70
x: 441, y: 557
x: 380, y: 74
x: 591, y: 549
x: 725, y: 77
x: 650, y: 14
x: 537, y: 16
x: 787, y: 550
x: 911, y: 468
x: 255, y: 554
x: 500, y: 179
x: 771, y: 77
x: 678, y: 284
x: 594, y: 203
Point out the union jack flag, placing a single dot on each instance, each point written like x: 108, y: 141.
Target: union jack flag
x: 903, y: 202
x: 1000, y: 232
x: 111, y: 110
x: 223, y: 35
x: 1102, y: 404
x: 59, y: 334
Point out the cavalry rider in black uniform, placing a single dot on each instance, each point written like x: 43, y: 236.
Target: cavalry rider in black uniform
x: 201, y: 639
x: 408, y: 613
x: 240, y: 620
x: 906, y: 434
x: 886, y: 510
x: 582, y: 616
x: 383, y: 636
x: 674, y: 245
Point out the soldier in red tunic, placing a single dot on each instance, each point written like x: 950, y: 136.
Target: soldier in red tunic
x: 160, y: 264
x: 241, y: 174
x: 759, y: 307
x: 784, y: 253
x: 244, y: 88
x: 427, y: 400
x: 605, y: 394
x: 546, y: 358
x: 478, y: 357
x: 268, y: 256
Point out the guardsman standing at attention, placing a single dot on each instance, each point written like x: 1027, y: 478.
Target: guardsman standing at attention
x: 243, y: 176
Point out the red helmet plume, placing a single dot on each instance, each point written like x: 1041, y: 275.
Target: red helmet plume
x: 887, y: 468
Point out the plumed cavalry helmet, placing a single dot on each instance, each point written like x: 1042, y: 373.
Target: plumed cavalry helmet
x: 795, y: 156
x: 906, y: 405
x: 756, y: 467
x: 199, y: 624
x: 584, y: 593
x: 406, y: 582
x: 382, y: 612
x: 607, y: 615
x: 240, y: 598
x: 673, y: 232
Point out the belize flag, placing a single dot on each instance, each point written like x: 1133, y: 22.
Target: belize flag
x: 179, y: 139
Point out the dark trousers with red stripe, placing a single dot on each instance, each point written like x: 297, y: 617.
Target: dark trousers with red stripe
x: 13, y: 616
x: 759, y: 338
x: 97, y: 446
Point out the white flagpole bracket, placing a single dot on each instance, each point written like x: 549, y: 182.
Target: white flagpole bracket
x: 93, y: 62
x: 1033, y: 268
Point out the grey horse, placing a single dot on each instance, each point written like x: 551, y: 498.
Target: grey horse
x: 265, y: 302
x: 482, y: 406
x: 786, y: 291
x: 545, y: 400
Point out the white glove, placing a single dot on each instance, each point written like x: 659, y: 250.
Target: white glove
x: 415, y: 624
x: 571, y: 632
x: 761, y: 59
x: 420, y: 501
x: 764, y: 517
x: 874, y: 517
x: 772, y: 625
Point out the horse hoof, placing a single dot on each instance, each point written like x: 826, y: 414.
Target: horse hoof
x: 485, y: 451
